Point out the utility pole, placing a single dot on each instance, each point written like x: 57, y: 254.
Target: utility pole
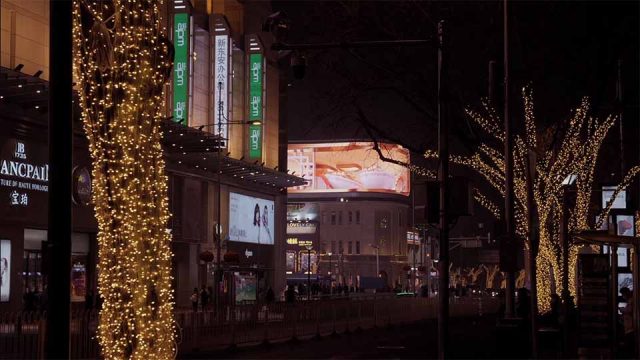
x: 621, y: 113
x: 509, y: 239
x: 60, y: 181
x: 443, y: 178
x: 533, y: 253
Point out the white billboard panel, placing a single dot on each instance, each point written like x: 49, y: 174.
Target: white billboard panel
x: 251, y: 219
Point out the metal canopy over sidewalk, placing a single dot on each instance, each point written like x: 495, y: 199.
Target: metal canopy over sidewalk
x: 602, y: 237
x: 198, y: 149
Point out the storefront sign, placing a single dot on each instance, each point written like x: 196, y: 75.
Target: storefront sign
x: 5, y: 269
x: 81, y: 186
x: 180, y: 67
x: 221, y: 106
x: 256, y: 74
x: 413, y: 238
x: 305, y: 243
x: 300, y: 243
x: 301, y: 228
x: 21, y: 174
x: 251, y: 255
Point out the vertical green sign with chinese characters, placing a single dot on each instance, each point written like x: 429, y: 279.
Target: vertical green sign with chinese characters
x: 255, y: 105
x: 180, y: 67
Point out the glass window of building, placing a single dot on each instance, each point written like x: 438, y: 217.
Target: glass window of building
x: 350, y: 217
x: 340, y: 218
x: 32, y: 275
x: 357, y: 216
x: 333, y: 218
x: 324, y: 217
x: 357, y: 247
x: 340, y: 249
x: 350, y: 249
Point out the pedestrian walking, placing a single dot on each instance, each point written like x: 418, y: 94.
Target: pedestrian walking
x: 627, y: 321
x: 194, y: 300
x: 204, y: 298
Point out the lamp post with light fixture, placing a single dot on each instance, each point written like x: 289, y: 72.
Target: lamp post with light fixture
x: 377, y: 247
x: 308, y: 247
x: 567, y: 184
x: 330, y: 275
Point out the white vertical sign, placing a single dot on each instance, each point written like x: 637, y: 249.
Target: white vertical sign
x: 221, y: 78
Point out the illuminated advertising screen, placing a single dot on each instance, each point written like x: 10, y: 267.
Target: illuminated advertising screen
x: 246, y: 287
x: 620, y: 201
x: 302, y: 211
x: 251, y: 219
x: 349, y: 167
x: 5, y: 269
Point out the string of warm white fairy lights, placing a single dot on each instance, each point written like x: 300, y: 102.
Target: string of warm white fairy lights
x: 122, y: 62
x: 577, y: 155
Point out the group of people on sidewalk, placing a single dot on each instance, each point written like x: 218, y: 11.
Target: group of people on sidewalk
x: 200, y: 298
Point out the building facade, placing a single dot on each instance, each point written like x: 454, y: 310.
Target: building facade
x: 359, y: 208
x: 226, y: 195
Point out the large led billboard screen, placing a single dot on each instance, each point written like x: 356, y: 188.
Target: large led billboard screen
x: 349, y: 167
x: 250, y: 219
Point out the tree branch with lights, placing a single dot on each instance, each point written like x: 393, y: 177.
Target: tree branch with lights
x: 122, y: 62
x: 576, y: 154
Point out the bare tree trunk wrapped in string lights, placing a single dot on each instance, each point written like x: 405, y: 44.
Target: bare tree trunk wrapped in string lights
x: 575, y: 154
x: 122, y: 61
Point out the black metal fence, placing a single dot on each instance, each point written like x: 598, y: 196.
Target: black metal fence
x: 22, y: 334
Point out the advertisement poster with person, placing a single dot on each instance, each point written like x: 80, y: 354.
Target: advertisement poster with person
x: 246, y: 287
x: 5, y: 269
x: 251, y: 219
x: 78, y: 279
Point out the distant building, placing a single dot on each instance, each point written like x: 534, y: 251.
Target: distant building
x: 354, y: 211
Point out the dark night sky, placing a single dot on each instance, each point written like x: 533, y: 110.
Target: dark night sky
x: 565, y: 50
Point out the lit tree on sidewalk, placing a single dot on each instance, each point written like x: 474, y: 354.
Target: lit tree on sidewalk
x: 576, y: 154
x: 122, y: 61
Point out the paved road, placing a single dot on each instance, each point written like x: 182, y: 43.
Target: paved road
x: 471, y: 338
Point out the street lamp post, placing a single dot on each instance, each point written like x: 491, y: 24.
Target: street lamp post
x: 330, y: 276
x: 564, y: 235
x: 377, y: 247
x: 308, y: 272
x: 218, y: 273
